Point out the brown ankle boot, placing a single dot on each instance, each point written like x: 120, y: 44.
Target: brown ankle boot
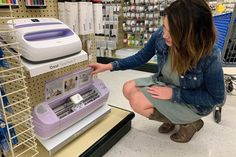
x: 167, y: 126
x: 187, y: 131
x: 156, y: 115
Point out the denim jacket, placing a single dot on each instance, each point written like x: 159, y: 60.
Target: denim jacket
x: 203, y: 86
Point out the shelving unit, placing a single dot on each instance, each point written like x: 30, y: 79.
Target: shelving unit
x: 6, y: 3
x: 112, y: 37
x: 35, y: 3
x: 219, y: 7
x: 14, y: 108
x: 141, y: 19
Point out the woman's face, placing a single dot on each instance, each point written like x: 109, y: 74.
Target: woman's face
x: 166, y: 32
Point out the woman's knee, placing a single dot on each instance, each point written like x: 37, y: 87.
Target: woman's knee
x: 128, y: 88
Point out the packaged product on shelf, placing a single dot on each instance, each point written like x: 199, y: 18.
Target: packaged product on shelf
x: 5, y: 100
x: 4, y: 141
x: 3, y: 62
x: 3, y: 137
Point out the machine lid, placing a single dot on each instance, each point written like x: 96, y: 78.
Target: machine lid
x: 20, y: 25
x: 48, y: 34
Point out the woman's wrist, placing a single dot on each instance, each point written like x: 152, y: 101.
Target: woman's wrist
x: 109, y: 66
x: 114, y: 66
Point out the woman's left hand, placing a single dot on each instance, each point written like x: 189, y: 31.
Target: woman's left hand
x: 160, y: 92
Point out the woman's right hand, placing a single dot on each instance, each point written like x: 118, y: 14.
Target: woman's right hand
x: 98, y: 67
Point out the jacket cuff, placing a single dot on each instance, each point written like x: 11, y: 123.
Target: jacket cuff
x: 115, y: 65
x: 176, y: 98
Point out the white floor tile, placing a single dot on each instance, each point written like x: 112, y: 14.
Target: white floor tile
x: 214, y: 140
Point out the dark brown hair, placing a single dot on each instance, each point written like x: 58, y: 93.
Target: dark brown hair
x: 192, y: 32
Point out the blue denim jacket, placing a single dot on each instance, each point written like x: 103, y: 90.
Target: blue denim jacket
x: 203, y: 86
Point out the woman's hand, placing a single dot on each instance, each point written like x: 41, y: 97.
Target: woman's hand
x: 97, y: 67
x: 160, y: 92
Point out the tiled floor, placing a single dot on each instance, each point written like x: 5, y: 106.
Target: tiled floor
x: 214, y: 140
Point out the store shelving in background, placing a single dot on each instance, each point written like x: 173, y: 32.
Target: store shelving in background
x: 221, y: 6
x: 111, y: 37
x: 35, y: 3
x: 141, y: 19
x: 7, y: 2
x: 229, y: 5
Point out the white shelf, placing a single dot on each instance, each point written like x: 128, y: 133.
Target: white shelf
x: 37, y: 69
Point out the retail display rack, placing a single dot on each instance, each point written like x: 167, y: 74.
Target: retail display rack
x: 226, y: 40
x: 35, y: 3
x: 6, y: 3
x: 226, y: 36
x: 111, y: 36
x: 17, y: 136
x: 141, y: 19
x: 28, y: 3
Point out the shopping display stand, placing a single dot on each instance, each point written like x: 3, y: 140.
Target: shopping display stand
x: 15, y: 107
x: 97, y: 140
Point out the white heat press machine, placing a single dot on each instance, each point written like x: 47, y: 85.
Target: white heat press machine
x: 60, y: 120
x: 44, y: 39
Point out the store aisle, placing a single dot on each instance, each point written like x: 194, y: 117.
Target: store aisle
x: 144, y: 140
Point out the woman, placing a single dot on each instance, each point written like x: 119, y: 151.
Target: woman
x: 189, y: 81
